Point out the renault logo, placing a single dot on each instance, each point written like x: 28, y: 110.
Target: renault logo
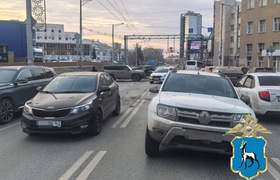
x: 50, y: 107
x: 204, y: 117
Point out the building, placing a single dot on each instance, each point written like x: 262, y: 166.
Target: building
x: 260, y: 31
x: 190, y: 29
x: 226, y: 32
x: 13, y: 37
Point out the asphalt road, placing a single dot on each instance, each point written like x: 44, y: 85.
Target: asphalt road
x: 118, y: 152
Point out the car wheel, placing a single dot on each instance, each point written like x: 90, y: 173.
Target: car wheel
x: 113, y: 76
x: 96, y: 124
x: 151, y: 82
x: 136, y: 77
x: 6, y: 111
x: 117, y: 111
x: 151, y: 146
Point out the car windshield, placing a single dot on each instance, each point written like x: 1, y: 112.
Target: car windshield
x: 269, y: 80
x: 191, y: 62
x: 7, y: 75
x: 71, y: 84
x: 199, y: 84
x: 162, y: 70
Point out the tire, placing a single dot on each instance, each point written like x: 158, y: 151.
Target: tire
x: 113, y: 76
x: 6, y: 111
x: 136, y: 77
x: 96, y: 125
x: 151, y: 82
x: 117, y: 111
x: 151, y: 146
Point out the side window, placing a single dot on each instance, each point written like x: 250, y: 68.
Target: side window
x: 102, y: 81
x: 124, y: 68
x: 242, y: 80
x: 25, y: 74
x: 109, y: 80
x: 38, y: 73
x: 248, y: 83
x: 48, y: 73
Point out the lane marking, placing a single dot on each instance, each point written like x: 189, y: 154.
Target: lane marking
x: 75, y: 166
x: 132, y: 114
x: 10, y: 126
x: 144, y: 94
x: 273, y: 171
x: 90, y: 167
x: 125, y: 114
x: 276, y: 160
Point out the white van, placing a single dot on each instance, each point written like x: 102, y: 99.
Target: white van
x: 194, y: 65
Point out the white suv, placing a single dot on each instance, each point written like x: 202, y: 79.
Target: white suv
x: 194, y: 110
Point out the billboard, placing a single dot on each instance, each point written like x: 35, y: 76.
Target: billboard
x: 195, y: 46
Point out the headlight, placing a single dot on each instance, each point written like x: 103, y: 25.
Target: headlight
x: 237, y: 118
x: 81, y: 108
x: 167, y: 112
x: 27, y: 109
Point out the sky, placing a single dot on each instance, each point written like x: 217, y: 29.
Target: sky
x: 140, y: 17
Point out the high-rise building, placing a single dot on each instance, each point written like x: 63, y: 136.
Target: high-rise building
x: 260, y: 33
x: 226, y: 32
x: 190, y: 28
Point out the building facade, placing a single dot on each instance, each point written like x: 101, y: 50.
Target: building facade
x: 190, y: 28
x: 226, y: 32
x: 260, y: 33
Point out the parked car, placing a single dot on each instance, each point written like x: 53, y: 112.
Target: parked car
x: 260, y: 69
x: 18, y: 84
x: 194, y: 110
x: 233, y: 73
x: 159, y: 74
x: 148, y: 69
x: 124, y: 72
x: 73, y: 102
x: 262, y: 91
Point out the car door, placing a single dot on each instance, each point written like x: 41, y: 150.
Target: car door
x: 104, y: 97
x: 113, y: 94
x: 248, y: 88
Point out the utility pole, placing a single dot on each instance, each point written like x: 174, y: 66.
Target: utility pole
x: 29, y: 39
x: 81, y: 35
x: 221, y: 58
x: 136, y: 54
x: 113, y: 34
x: 236, y: 39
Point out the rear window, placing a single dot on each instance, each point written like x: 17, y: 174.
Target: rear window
x: 191, y: 63
x: 264, y: 70
x: 269, y: 80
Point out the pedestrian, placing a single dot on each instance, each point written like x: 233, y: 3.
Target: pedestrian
x: 94, y: 69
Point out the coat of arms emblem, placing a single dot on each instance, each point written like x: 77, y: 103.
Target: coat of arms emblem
x: 248, y: 149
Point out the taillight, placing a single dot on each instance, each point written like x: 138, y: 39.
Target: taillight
x: 264, y: 95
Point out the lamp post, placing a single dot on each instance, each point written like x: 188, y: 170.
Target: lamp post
x: 82, y: 2
x: 113, y: 31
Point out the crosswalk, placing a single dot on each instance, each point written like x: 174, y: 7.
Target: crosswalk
x: 274, y: 167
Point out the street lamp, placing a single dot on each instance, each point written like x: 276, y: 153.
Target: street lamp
x: 113, y: 29
x: 82, y: 2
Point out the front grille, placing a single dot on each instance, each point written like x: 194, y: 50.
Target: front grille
x: 54, y: 113
x: 217, y: 119
x: 154, y: 77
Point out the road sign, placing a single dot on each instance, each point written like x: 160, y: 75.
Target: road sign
x: 271, y: 49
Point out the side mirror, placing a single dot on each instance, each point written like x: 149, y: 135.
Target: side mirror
x: 154, y: 89
x: 39, y: 88
x: 21, y: 81
x: 245, y: 99
x: 104, y: 88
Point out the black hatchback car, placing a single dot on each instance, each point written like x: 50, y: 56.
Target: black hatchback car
x: 18, y: 84
x: 72, y: 103
x: 233, y: 73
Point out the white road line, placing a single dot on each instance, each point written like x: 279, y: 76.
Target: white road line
x: 75, y: 166
x: 90, y: 167
x: 276, y: 160
x: 144, y: 94
x: 10, y: 126
x: 125, y: 114
x: 132, y: 114
x: 273, y: 172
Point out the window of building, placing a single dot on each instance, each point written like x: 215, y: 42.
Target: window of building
x: 262, y: 3
x: 231, y: 39
x: 52, y: 38
x: 68, y: 53
x: 59, y: 38
x: 249, y: 60
x: 232, y: 27
x: 232, y: 16
x: 59, y: 31
x: 45, y: 37
x: 68, y: 46
x: 261, y: 26
x: 190, y: 30
x: 66, y: 39
x: 52, y: 30
x: 230, y: 50
x: 249, y: 48
x: 276, y: 23
x: 250, y: 4
x: 260, y: 47
x: 260, y: 61
x: 276, y: 1
x: 250, y: 27
x: 276, y: 45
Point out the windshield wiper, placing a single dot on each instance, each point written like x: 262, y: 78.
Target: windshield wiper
x: 48, y: 92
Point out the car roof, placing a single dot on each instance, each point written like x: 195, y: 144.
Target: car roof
x: 23, y: 67
x: 86, y: 73
x: 264, y: 74
x: 198, y: 72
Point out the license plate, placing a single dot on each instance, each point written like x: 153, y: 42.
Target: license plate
x: 202, y: 135
x: 156, y: 78
x: 49, y: 123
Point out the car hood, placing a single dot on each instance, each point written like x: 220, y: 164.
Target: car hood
x: 204, y: 102
x: 4, y: 84
x: 60, y: 100
x: 158, y: 74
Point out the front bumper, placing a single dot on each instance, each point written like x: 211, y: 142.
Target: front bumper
x: 72, y: 124
x: 189, y: 136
